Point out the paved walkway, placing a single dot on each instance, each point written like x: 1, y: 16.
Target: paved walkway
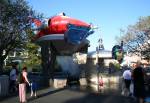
x: 72, y: 95
x: 14, y: 98
x: 78, y: 95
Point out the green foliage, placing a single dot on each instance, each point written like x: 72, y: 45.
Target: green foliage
x: 34, y: 57
x: 136, y: 38
x: 4, y: 2
x: 14, y: 26
x: 117, y: 66
x: 114, y: 65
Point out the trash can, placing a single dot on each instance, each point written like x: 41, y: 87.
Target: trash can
x: 4, y: 85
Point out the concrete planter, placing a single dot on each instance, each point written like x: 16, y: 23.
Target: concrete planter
x: 59, y: 83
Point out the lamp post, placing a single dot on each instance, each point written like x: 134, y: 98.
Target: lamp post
x: 98, y: 49
x: 97, y: 66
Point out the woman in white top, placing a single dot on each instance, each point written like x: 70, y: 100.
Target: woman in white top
x: 127, y: 81
x: 127, y: 78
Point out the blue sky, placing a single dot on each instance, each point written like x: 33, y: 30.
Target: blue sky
x: 109, y: 15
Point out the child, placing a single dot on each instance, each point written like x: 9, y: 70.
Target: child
x: 33, y: 88
x: 101, y: 83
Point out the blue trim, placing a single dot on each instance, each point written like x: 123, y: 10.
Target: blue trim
x: 76, y: 34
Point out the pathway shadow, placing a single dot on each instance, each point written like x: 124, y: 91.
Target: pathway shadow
x: 101, y: 98
x: 45, y: 94
x: 109, y: 96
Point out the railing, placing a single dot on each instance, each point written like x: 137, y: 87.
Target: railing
x: 4, y: 85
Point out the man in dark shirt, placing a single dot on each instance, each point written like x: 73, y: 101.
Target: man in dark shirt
x: 138, y: 79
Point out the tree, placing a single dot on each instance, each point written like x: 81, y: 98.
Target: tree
x: 4, y: 2
x: 14, y: 26
x: 137, y: 38
x: 34, y: 57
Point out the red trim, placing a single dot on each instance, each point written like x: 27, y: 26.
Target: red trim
x: 58, y: 25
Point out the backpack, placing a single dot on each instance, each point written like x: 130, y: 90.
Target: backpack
x: 20, y: 78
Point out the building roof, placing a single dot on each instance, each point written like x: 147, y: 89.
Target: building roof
x: 101, y: 54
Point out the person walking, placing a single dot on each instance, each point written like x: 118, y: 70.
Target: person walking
x: 138, y: 80
x: 127, y: 81
x: 101, y: 84
x: 23, y: 80
x: 13, y: 79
